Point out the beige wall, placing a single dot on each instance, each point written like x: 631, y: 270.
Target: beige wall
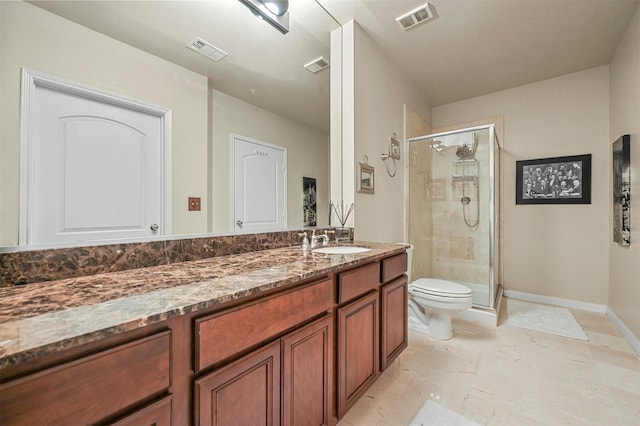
x: 381, y: 91
x: 552, y: 250
x: 307, y: 155
x: 33, y: 38
x: 624, y: 86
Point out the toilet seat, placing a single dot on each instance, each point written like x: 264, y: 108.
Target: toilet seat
x: 441, y: 289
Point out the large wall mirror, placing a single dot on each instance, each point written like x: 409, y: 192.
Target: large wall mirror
x: 261, y: 90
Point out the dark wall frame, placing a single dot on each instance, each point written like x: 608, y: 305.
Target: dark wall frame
x: 622, y: 190
x: 574, y: 171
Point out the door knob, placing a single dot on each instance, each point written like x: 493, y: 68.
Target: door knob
x: 154, y: 227
x: 239, y: 223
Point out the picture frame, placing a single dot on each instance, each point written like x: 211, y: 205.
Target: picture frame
x: 554, y: 180
x: 309, y: 202
x: 366, y: 179
x: 621, y: 153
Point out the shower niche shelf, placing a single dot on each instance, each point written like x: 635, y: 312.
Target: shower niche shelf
x: 463, y: 171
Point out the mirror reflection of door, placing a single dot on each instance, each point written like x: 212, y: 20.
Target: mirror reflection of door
x: 259, y: 185
x: 95, y: 167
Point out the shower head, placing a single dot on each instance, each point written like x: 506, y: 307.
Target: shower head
x: 467, y: 151
x: 464, y: 152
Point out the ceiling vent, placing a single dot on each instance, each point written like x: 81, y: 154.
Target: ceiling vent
x: 415, y: 17
x: 206, y: 49
x: 317, y: 65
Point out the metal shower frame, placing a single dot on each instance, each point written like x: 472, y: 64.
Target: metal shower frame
x: 493, y: 212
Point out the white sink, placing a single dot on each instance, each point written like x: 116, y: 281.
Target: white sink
x: 341, y: 250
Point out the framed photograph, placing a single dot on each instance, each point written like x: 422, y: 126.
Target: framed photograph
x: 309, y: 208
x: 557, y: 180
x: 365, y: 178
x: 622, y: 190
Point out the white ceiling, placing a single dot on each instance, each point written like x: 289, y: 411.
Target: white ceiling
x: 476, y: 47
x: 471, y: 48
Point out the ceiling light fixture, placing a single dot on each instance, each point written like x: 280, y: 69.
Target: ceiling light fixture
x: 277, y: 7
x: 273, y: 11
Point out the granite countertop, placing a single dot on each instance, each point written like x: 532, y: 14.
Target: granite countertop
x: 43, y: 318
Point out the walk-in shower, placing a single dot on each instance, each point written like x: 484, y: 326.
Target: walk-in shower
x: 454, y: 200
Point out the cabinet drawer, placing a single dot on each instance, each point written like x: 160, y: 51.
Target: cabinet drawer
x: 393, y: 267
x: 224, y: 334
x: 358, y: 281
x: 156, y: 414
x: 90, y: 389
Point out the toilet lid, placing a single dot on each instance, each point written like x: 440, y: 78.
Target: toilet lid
x: 438, y: 287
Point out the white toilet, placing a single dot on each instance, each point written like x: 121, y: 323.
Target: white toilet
x: 433, y: 301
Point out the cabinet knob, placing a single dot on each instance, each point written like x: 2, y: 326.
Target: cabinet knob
x: 154, y: 227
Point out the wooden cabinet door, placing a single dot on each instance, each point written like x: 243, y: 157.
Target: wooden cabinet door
x: 245, y: 392
x: 307, y: 376
x: 358, y: 349
x: 393, y: 320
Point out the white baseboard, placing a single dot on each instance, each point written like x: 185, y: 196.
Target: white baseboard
x: 624, y: 330
x: 478, y: 316
x: 576, y: 304
x: 556, y: 301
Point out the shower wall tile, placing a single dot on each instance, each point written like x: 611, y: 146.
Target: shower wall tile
x: 420, y: 209
x: 422, y: 258
x: 462, y: 247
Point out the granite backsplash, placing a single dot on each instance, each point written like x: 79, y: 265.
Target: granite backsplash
x: 31, y: 266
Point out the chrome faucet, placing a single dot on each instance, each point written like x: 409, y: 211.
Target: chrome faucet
x: 326, y: 234
x: 314, y: 239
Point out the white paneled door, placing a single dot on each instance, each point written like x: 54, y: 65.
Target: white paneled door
x: 96, y: 168
x: 259, y: 185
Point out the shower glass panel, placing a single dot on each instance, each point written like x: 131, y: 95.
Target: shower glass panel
x: 453, y: 209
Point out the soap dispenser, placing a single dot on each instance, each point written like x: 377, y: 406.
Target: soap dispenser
x: 305, y: 241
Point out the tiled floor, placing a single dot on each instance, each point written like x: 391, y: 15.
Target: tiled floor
x: 511, y: 376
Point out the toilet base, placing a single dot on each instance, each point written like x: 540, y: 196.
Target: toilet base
x: 438, y: 322
x: 440, y: 326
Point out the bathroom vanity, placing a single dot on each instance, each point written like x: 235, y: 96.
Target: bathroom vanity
x: 279, y: 336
